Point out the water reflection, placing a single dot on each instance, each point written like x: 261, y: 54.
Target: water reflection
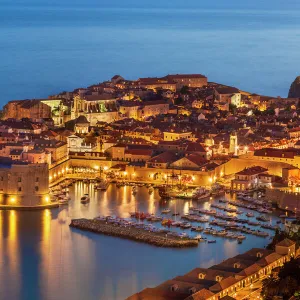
x: 70, y: 264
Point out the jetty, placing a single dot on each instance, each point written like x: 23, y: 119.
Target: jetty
x: 159, y: 239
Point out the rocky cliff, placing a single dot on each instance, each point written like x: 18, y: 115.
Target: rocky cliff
x: 294, y: 91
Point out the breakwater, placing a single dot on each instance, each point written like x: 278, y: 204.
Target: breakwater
x: 132, y: 233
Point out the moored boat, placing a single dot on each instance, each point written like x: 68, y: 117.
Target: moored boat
x: 85, y: 199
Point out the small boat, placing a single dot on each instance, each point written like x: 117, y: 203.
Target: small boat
x: 165, y: 211
x: 85, y: 199
x: 249, y: 214
x: 263, y: 218
x: 211, y: 241
x: 198, y: 237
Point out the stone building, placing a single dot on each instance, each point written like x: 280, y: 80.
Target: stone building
x: 23, y: 184
x: 250, y: 178
x: 190, y: 80
x: 155, y: 83
x: 96, y: 108
x: 31, y: 109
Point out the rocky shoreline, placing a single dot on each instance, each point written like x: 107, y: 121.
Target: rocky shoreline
x: 131, y: 233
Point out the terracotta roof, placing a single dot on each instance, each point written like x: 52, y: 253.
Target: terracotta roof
x: 223, y: 284
x: 227, y: 90
x: 250, y: 270
x: 195, y: 147
x: 82, y: 120
x: 182, y: 76
x: 282, y: 153
x: 165, y: 157
x: 285, y: 243
x: 98, y: 97
x: 155, y: 80
x: 252, y: 171
x: 196, y: 159
x: 144, y: 152
x: 201, y: 295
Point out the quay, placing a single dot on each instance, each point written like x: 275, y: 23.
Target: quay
x: 131, y: 233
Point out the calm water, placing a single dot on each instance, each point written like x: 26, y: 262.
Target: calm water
x: 48, y: 49
x: 42, y: 258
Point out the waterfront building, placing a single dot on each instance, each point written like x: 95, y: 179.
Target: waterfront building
x: 225, y: 279
x: 250, y: 178
x: 23, y: 184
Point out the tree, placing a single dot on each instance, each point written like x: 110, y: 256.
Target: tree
x: 232, y: 108
x: 288, y: 286
x: 270, y: 287
x: 178, y: 101
x: 184, y: 90
x: 290, y: 269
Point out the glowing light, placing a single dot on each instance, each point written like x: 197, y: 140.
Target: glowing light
x: 50, y: 178
x: 246, y: 148
x: 96, y: 168
x: 105, y: 168
x: 125, y: 173
x: 47, y: 199
x: 210, y: 179
x: 54, y: 175
x: 13, y: 200
x: 222, y: 173
x: 193, y: 178
x: 133, y: 174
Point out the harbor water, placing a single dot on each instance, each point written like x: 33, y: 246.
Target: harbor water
x: 43, y: 258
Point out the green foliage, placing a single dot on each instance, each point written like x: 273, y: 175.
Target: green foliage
x: 184, y: 90
x: 286, y: 284
x: 290, y: 269
x: 232, y: 108
x: 270, y: 112
x: 278, y: 237
x: 178, y: 101
x: 270, y: 287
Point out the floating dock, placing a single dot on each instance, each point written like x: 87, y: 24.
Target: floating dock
x: 132, y: 233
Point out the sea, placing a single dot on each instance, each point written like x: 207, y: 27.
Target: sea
x: 50, y: 46
x: 41, y: 257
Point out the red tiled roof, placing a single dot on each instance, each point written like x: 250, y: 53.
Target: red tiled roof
x: 286, y: 243
x: 252, y: 171
x: 189, y: 76
x: 165, y: 157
